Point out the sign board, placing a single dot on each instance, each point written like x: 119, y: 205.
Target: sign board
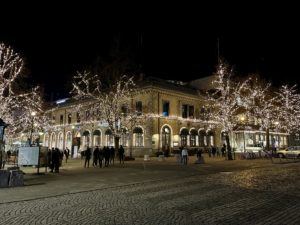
x: 28, y: 156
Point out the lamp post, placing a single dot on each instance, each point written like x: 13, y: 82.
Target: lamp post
x: 242, y: 119
x: 32, y: 124
x: 3, y: 125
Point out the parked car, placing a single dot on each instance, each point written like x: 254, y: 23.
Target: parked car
x: 290, y: 152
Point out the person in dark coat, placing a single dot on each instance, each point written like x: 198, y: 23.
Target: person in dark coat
x: 88, y: 153
x: 106, y: 156
x: 121, y: 154
x: 112, y: 155
x: 55, y: 160
x: 49, y: 159
x: 95, y: 156
x: 101, y: 156
x: 67, y: 153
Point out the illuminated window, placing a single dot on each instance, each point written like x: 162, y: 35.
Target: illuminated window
x: 193, y: 138
x: 166, y: 108
x: 138, y: 137
x: 69, y: 118
x: 183, y: 136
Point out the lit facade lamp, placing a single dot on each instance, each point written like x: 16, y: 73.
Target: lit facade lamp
x: 3, y: 125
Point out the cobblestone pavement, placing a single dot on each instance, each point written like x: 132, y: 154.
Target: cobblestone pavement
x: 258, y: 195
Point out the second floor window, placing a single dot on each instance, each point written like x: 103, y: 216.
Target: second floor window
x: 61, y: 120
x: 69, y: 118
x: 139, y: 108
x: 187, y: 111
x: 166, y: 108
x: 78, y: 117
x: 124, y: 110
x: 87, y: 115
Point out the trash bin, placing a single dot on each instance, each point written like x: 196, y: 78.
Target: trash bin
x: 16, y: 178
x: 4, y: 178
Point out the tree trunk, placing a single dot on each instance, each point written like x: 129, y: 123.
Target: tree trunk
x: 228, y: 148
x: 130, y: 143
x: 117, y: 139
x: 267, y: 139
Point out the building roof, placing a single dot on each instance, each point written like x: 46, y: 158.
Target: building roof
x: 204, y: 83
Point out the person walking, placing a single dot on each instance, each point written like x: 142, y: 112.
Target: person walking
x: 184, y: 154
x: 121, y: 154
x: 223, y: 150
x: 95, y: 156
x: 67, y: 153
x: 101, y: 156
x: 106, y: 155
x: 88, y: 154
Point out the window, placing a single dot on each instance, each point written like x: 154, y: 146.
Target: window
x: 202, y: 138
x: 87, y: 115
x: 109, y: 138
x: 97, y: 137
x: 69, y: 118
x: 124, y: 110
x: 61, y: 120
x: 193, y: 135
x: 191, y: 112
x: 183, y: 136
x: 78, y: 117
x: 184, y: 111
x: 139, y: 108
x: 138, y: 137
x: 188, y: 111
x: 124, y: 137
x: 166, y: 108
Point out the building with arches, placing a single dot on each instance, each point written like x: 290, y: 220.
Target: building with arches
x: 177, y: 117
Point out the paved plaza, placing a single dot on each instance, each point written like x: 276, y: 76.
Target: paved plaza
x: 217, y: 192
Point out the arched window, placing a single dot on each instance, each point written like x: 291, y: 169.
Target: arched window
x: 69, y: 140
x: 223, y: 137
x: 183, y: 136
x: 52, y: 142
x: 193, y: 134
x: 109, y: 138
x: 46, y: 140
x: 210, y: 138
x: 124, y: 137
x: 202, y: 138
x: 60, y: 141
x: 138, y: 137
x: 97, y: 138
x: 86, y: 138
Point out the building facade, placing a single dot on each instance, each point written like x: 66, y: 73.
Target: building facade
x: 177, y: 116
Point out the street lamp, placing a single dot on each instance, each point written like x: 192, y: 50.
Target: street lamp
x: 242, y: 119
x: 3, y: 125
x: 32, y: 124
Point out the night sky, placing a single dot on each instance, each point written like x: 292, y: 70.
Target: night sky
x: 56, y: 46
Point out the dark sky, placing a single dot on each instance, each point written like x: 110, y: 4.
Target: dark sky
x: 184, y: 48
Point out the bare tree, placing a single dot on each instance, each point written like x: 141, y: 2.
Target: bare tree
x: 226, y: 101
x: 112, y: 105
x: 17, y: 104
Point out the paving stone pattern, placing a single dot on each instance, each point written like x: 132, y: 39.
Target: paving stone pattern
x: 259, y: 196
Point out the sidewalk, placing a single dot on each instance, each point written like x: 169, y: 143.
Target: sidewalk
x: 74, y: 178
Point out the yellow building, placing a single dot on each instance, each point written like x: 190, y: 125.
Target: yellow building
x: 178, y: 117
